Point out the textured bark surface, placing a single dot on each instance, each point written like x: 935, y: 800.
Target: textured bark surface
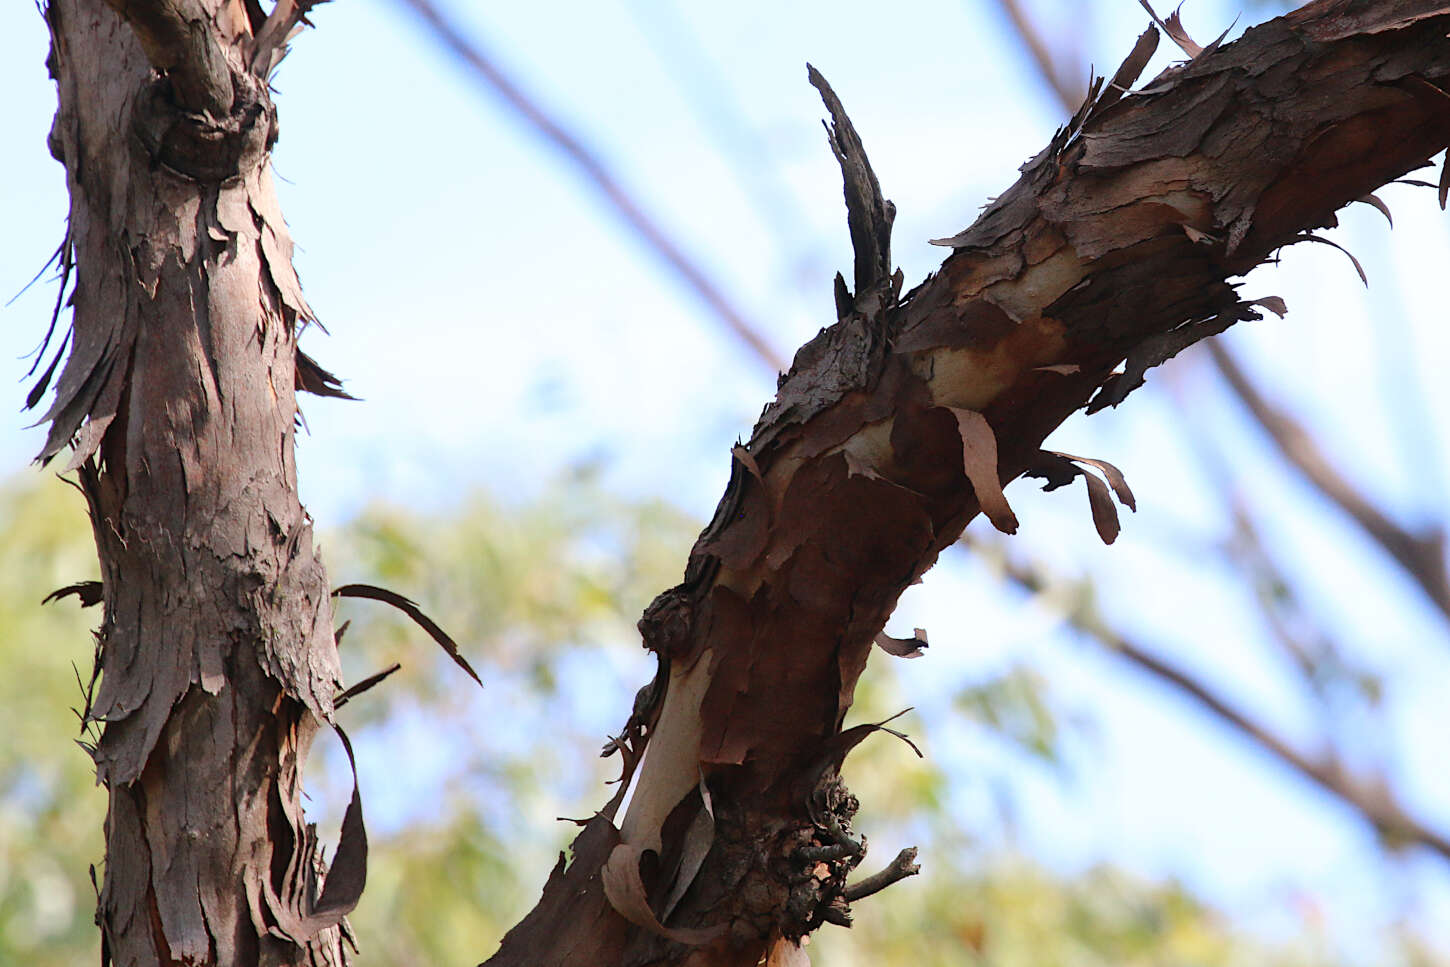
x: 216, y: 657
x: 896, y: 425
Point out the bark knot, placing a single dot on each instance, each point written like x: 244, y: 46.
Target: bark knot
x: 199, y: 146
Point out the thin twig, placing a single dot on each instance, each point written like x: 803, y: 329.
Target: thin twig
x: 483, y: 68
x: 903, y: 866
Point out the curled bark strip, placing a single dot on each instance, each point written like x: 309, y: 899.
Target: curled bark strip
x: 411, y: 609
x: 354, y: 691
x: 312, y: 378
x: 698, y: 840
x: 913, y: 647
x: 1114, y: 475
x: 348, y: 873
x: 1273, y: 303
x: 345, y: 878
x: 1128, y: 73
x: 1156, y: 350
x: 1359, y: 269
x: 88, y: 593
x: 270, y: 45
x: 1173, y: 27
x: 1105, y: 515
x: 1058, y: 469
x: 626, y: 893
x: 979, y: 462
x: 1375, y: 201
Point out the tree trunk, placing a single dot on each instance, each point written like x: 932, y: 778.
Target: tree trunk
x: 896, y: 425
x: 216, y: 654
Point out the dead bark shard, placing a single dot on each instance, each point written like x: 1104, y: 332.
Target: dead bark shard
x: 868, y: 214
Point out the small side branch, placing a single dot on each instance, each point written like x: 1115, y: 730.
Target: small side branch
x: 900, y: 868
x: 180, y: 40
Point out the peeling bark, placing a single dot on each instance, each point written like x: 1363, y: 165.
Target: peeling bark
x: 217, y: 662
x: 1117, y: 244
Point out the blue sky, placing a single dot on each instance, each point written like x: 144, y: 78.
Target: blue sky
x: 501, y: 327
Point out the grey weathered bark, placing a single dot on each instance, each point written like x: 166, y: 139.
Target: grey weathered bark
x: 217, y: 662
x: 900, y: 422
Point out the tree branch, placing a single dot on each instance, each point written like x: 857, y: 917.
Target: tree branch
x: 900, y: 868
x: 1421, y: 556
x: 1068, y: 93
x: 1370, y: 799
x: 896, y: 423
x: 483, y: 68
x: 181, y: 39
x: 216, y: 661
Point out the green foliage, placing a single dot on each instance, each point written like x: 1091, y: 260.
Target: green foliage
x: 542, y: 599
x: 514, y: 585
x: 1014, y: 706
x: 1009, y: 912
x: 463, y: 786
x: 50, y: 809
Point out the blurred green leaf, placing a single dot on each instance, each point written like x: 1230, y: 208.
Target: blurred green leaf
x: 1014, y: 707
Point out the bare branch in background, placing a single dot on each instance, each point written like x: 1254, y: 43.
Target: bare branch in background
x: 1371, y: 799
x: 1313, y: 651
x: 709, y: 92
x: 1422, y: 556
x: 1069, y: 93
x: 1310, y: 647
x: 471, y: 55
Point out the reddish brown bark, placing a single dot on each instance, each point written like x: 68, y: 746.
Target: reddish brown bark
x: 1118, y: 243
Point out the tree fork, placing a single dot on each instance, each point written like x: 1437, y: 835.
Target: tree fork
x: 898, y: 423
x: 216, y: 661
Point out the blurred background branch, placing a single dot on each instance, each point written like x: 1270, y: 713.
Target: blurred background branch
x: 483, y: 68
x: 1370, y: 797
x: 1420, y: 556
